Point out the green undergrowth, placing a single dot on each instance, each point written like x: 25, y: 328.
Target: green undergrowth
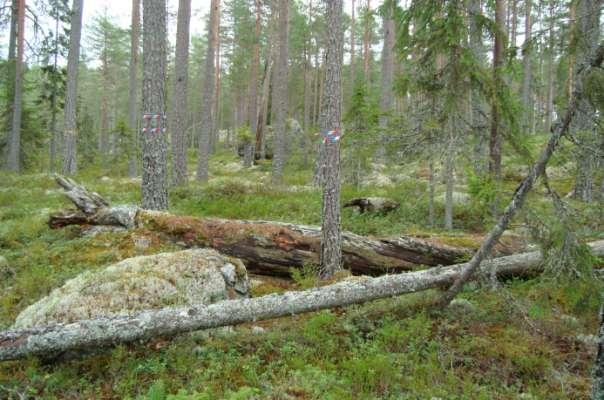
x: 521, y: 342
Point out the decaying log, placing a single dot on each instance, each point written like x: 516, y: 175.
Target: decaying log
x: 54, y: 340
x: 265, y: 247
x: 373, y: 204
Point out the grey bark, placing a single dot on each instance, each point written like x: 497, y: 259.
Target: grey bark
x: 14, y: 150
x: 11, y: 60
x: 527, y: 183
x: 584, y: 127
x: 598, y: 383
x: 70, y: 165
x: 477, y: 103
x: 132, y: 88
x: 307, y: 74
x: 280, y: 95
x: 449, y: 161
x: 352, y: 49
x: 253, y: 90
x: 208, y: 94
x: 549, y: 87
x: 495, y: 138
x: 386, y: 92
x: 54, y: 135
x: 52, y: 341
x: 366, y: 40
x: 178, y: 114
x: 331, y: 229
x: 526, y: 65
x: 154, y: 146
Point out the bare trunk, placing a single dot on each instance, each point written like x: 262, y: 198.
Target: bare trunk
x: 549, y: 87
x: 54, y: 135
x: 178, y: 116
x: 495, y: 138
x: 51, y: 341
x: 104, y: 129
x: 133, y: 88
x: 526, y: 65
x: 280, y: 95
x: 331, y: 229
x: 449, y: 160
x: 253, y: 95
x: 366, y: 40
x: 154, y: 146
x: 584, y: 127
x: 386, y: 94
x: 307, y: 74
x: 352, y: 49
x: 477, y: 103
x: 208, y: 94
x: 14, y: 149
x: 70, y: 165
x: 527, y: 183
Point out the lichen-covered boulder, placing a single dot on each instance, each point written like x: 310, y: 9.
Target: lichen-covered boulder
x: 197, y: 276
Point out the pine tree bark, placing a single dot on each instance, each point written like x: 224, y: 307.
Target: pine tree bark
x: 253, y: 89
x: 526, y: 66
x: 331, y: 229
x: 477, y: 103
x: 386, y: 92
x: 52, y: 341
x: 587, y: 34
x: 549, y: 87
x: 154, y: 146
x: 178, y: 115
x: 495, y: 138
x: 14, y: 149
x: 208, y: 94
x: 352, y: 48
x: 132, y: 88
x: 280, y: 95
x: 70, y: 165
x: 11, y: 63
x: 54, y: 135
x: 366, y: 40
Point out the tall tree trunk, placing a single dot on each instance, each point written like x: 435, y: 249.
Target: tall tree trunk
x: 154, y: 184
x: 526, y: 66
x: 549, y: 87
x: 54, y: 136
x: 70, y: 165
x: 132, y: 88
x: 386, y: 94
x: 587, y: 34
x: 280, y: 95
x: 253, y: 90
x: 366, y: 44
x: 104, y: 129
x: 495, y: 137
x: 208, y: 94
x: 477, y: 103
x: 307, y: 73
x: 178, y: 116
x: 331, y: 229
x: 11, y: 62
x: 352, y: 49
x: 14, y: 150
x: 216, y: 105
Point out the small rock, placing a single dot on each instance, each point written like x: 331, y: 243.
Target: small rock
x: 105, y: 179
x: 526, y: 396
x: 258, y: 330
x: 462, y: 305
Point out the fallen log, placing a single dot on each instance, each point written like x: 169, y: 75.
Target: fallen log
x: 270, y: 248
x: 50, y: 341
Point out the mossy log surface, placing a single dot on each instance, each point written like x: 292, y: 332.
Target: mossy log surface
x: 266, y: 247
x: 51, y: 341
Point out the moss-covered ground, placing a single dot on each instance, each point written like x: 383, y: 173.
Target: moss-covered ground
x: 528, y: 340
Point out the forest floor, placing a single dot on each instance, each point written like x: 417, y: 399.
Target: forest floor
x: 533, y: 339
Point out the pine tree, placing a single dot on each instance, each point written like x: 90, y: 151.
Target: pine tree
x: 154, y: 184
x: 70, y: 165
x: 331, y: 230
x: 179, y: 97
